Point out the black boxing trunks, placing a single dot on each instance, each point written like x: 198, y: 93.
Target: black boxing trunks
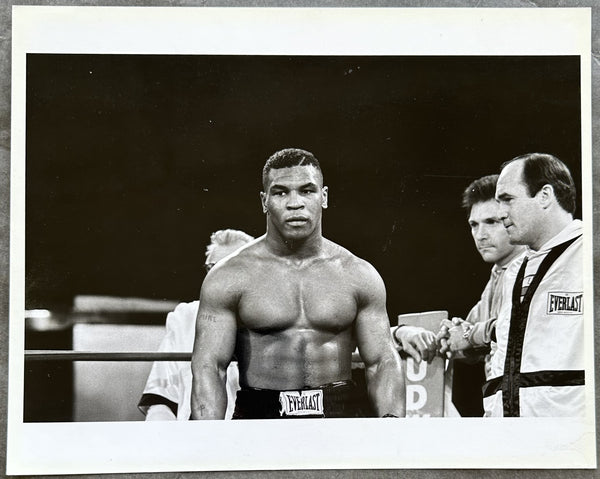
x: 339, y: 399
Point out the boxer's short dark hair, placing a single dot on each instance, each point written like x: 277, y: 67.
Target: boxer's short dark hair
x: 287, y: 158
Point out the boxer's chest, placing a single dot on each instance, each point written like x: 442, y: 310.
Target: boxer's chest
x: 319, y: 298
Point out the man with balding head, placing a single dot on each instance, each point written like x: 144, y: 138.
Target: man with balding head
x: 538, y: 368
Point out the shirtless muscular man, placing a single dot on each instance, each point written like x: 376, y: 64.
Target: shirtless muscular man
x: 291, y: 306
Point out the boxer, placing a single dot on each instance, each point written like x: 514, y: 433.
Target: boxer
x: 292, y: 305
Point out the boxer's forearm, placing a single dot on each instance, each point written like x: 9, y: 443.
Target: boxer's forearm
x: 387, y: 388
x: 209, y: 396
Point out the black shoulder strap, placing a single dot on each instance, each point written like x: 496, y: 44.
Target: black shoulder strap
x: 518, y: 323
x: 548, y: 261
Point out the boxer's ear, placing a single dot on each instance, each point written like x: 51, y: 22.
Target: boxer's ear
x: 263, y: 201
x: 325, y: 191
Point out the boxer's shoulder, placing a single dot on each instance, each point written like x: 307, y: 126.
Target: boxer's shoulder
x: 357, y: 272
x: 349, y: 261
x: 238, y: 261
x: 234, y: 274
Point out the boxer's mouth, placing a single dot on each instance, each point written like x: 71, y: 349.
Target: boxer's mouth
x: 296, y: 220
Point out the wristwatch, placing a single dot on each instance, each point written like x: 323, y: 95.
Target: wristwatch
x: 467, y: 334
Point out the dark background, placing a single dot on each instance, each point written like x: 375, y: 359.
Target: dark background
x: 132, y: 161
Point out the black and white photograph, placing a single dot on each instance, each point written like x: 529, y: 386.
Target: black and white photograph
x: 373, y: 221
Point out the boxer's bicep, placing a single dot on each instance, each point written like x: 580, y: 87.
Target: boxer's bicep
x: 372, y: 327
x: 385, y: 382
x: 375, y: 342
x: 216, y: 328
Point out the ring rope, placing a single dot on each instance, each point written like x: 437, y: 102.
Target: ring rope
x: 67, y: 355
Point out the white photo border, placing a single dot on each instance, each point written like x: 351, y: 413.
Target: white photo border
x: 77, y: 448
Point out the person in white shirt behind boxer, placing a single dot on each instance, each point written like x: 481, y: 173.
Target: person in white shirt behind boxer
x: 292, y: 305
x: 538, y: 368
x: 167, y: 392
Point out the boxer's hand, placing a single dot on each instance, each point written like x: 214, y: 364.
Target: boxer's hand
x: 418, y: 342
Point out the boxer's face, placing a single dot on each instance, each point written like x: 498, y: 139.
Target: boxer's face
x: 293, y: 201
x: 489, y: 234
x: 520, y: 213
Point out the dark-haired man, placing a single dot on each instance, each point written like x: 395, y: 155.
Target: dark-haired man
x: 494, y: 246
x: 292, y: 305
x: 538, y: 368
x: 473, y: 339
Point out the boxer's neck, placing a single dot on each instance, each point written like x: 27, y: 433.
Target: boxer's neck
x: 295, y: 248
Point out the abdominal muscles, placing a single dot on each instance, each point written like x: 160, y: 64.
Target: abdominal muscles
x: 295, y: 358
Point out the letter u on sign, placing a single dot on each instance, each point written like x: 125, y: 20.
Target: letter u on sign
x: 415, y: 372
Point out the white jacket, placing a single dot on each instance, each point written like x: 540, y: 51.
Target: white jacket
x: 548, y: 380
